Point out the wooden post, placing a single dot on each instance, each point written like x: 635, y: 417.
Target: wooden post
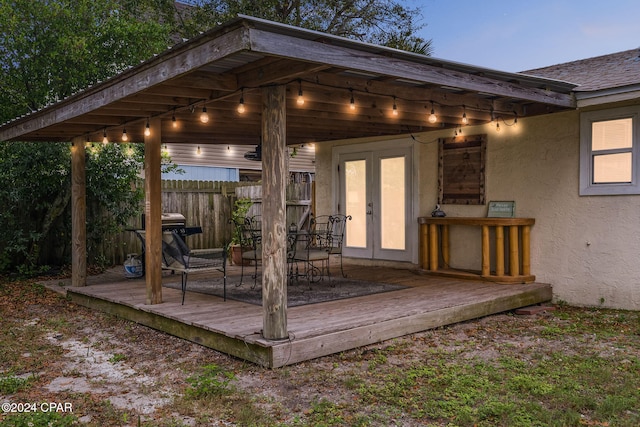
x: 433, y: 247
x: 275, y: 174
x: 424, y: 246
x: 153, y: 213
x: 78, y: 213
x: 499, y: 250
x: 486, y: 260
x: 514, y: 257
x: 445, y: 245
x: 526, y: 250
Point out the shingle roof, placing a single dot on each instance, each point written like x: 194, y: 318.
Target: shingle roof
x: 602, y: 72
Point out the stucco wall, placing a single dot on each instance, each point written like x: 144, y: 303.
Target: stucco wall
x: 588, y: 248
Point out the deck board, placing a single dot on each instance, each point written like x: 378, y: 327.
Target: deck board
x: 316, y: 329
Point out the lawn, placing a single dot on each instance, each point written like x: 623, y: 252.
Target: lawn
x: 62, y: 364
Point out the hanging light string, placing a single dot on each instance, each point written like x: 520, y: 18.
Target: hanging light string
x: 301, y: 100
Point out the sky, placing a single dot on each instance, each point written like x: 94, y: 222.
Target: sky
x: 519, y: 35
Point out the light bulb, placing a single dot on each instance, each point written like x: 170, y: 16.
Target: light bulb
x: 174, y: 122
x: 352, y: 103
x: 105, y: 140
x: 497, y: 127
x: 394, y: 110
x: 432, y: 117
x: 204, y: 117
x: 241, y: 108
x: 198, y: 152
x: 465, y: 121
x: 124, y: 135
x: 300, y: 100
x: 147, y: 130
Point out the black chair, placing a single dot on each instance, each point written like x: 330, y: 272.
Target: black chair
x: 249, y: 234
x: 314, y: 250
x: 176, y: 256
x: 335, y: 236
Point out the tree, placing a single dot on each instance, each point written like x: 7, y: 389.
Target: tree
x: 385, y: 22
x: 50, y: 49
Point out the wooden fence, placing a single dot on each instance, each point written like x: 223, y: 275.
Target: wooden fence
x: 207, y: 204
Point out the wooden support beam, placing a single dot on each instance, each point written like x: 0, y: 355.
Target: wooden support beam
x: 274, y: 228
x: 153, y: 213
x: 344, y: 57
x: 78, y: 213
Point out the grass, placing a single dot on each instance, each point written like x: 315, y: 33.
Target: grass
x: 570, y: 367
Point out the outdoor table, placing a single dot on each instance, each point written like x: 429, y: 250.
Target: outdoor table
x: 435, y: 244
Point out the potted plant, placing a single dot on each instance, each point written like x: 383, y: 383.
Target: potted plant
x: 238, y: 215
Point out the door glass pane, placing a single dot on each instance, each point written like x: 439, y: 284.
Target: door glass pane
x: 355, y: 175
x: 392, y: 203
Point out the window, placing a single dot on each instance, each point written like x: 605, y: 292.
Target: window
x: 609, y: 152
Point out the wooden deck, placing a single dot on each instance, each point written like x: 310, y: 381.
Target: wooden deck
x: 318, y: 329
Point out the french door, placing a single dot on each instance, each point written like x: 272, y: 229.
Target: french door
x: 376, y: 191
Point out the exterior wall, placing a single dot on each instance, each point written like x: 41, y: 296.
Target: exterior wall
x: 588, y: 248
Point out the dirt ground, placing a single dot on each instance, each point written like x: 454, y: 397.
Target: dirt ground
x: 111, y: 369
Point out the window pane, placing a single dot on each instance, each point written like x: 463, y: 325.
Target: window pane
x: 610, y: 168
x: 392, y: 215
x: 611, y: 134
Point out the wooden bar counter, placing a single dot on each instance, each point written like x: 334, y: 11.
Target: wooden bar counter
x: 435, y: 246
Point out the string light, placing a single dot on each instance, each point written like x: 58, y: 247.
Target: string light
x: 300, y: 100
x: 432, y: 117
x: 241, y: 108
x: 394, y: 110
x: 124, y: 134
x: 204, y: 117
x: 147, y: 129
x: 465, y: 121
x: 352, y: 103
x: 105, y: 140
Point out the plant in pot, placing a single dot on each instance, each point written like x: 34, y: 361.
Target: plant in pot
x: 238, y: 215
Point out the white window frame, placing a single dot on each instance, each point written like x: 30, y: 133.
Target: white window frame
x: 587, y: 186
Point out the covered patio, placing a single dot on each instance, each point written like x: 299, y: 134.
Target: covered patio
x: 256, y: 82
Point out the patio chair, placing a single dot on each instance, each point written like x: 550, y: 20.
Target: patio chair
x: 249, y: 230
x: 315, y: 250
x: 335, y: 236
x: 176, y: 256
